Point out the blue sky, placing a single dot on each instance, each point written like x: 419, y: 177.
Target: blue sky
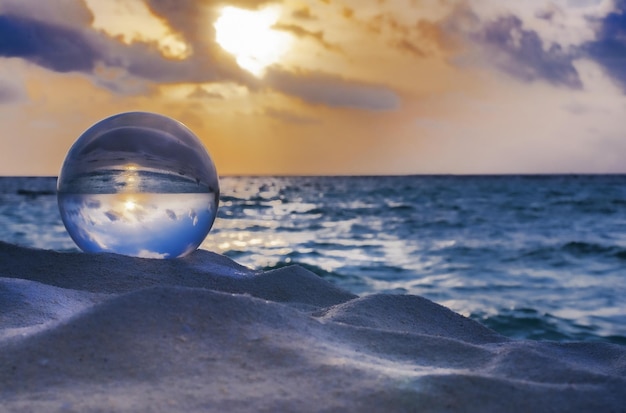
x: 325, y: 86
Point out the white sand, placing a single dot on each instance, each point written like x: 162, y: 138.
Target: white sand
x: 81, y: 332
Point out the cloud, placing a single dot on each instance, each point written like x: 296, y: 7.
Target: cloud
x: 145, y: 61
x: 131, y: 68
x: 609, y: 48
x: 191, y: 17
x: 202, y: 93
x: 540, y: 41
x: 112, y: 63
x: 289, y: 117
x: 54, y: 47
x: 318, y: 88
x: 528, y: 42
x: 520, y: 52
x: 182, y: 16
x: 119, y: 80
x: 420, y: 37
x: 566, y: 23
x: 301, y: 32
x: 68, y: 13
x: 303, y: 13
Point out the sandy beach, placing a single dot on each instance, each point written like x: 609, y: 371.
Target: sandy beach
x: 83, y: 332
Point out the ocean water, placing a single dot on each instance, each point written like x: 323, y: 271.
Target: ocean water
x: 534, y: 257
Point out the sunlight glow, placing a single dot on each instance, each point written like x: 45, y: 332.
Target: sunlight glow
x: 248, y: 35
x: 130, y: 205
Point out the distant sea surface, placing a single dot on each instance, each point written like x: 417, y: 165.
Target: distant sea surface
x: 535, y: 257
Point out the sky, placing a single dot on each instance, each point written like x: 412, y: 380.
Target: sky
x: 325, y: 87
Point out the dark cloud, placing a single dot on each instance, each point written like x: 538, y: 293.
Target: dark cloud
x: 609, y: 48
x: 301, y: 32
x: 190, y: 17
x: 64, y: 49
x: 68, y: 13
x: 182, y: 16
x: 381, y: 23
x: 303, y: 13
x: 522, y: 53
x: 422, y: 39
x: 408, y: 46
x: 317, y: 88
x: 57, y: 48
x: 145, y: 61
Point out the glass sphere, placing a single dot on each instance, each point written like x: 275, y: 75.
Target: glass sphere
x: 138, y: 184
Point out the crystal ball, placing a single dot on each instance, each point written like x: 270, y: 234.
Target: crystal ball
x: 138, y: 184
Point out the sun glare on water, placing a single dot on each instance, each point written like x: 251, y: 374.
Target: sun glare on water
x: 249, y: 36
x: 130, y: 205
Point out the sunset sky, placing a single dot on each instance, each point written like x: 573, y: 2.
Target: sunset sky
x: 325, y: 86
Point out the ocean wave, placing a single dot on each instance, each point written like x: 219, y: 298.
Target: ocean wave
x: 28, y: 185
x: 529, y: 323
x: 584, y: 249
x: 575, y: 249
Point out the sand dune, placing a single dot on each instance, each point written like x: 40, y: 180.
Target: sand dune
x: 82, y: 332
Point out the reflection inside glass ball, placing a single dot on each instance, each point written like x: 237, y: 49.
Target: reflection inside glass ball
x: 138, y: 184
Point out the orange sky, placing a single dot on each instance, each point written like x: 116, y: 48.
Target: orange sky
x: 344, y: 87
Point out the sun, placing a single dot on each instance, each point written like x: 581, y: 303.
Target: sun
x: 249, y: 36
